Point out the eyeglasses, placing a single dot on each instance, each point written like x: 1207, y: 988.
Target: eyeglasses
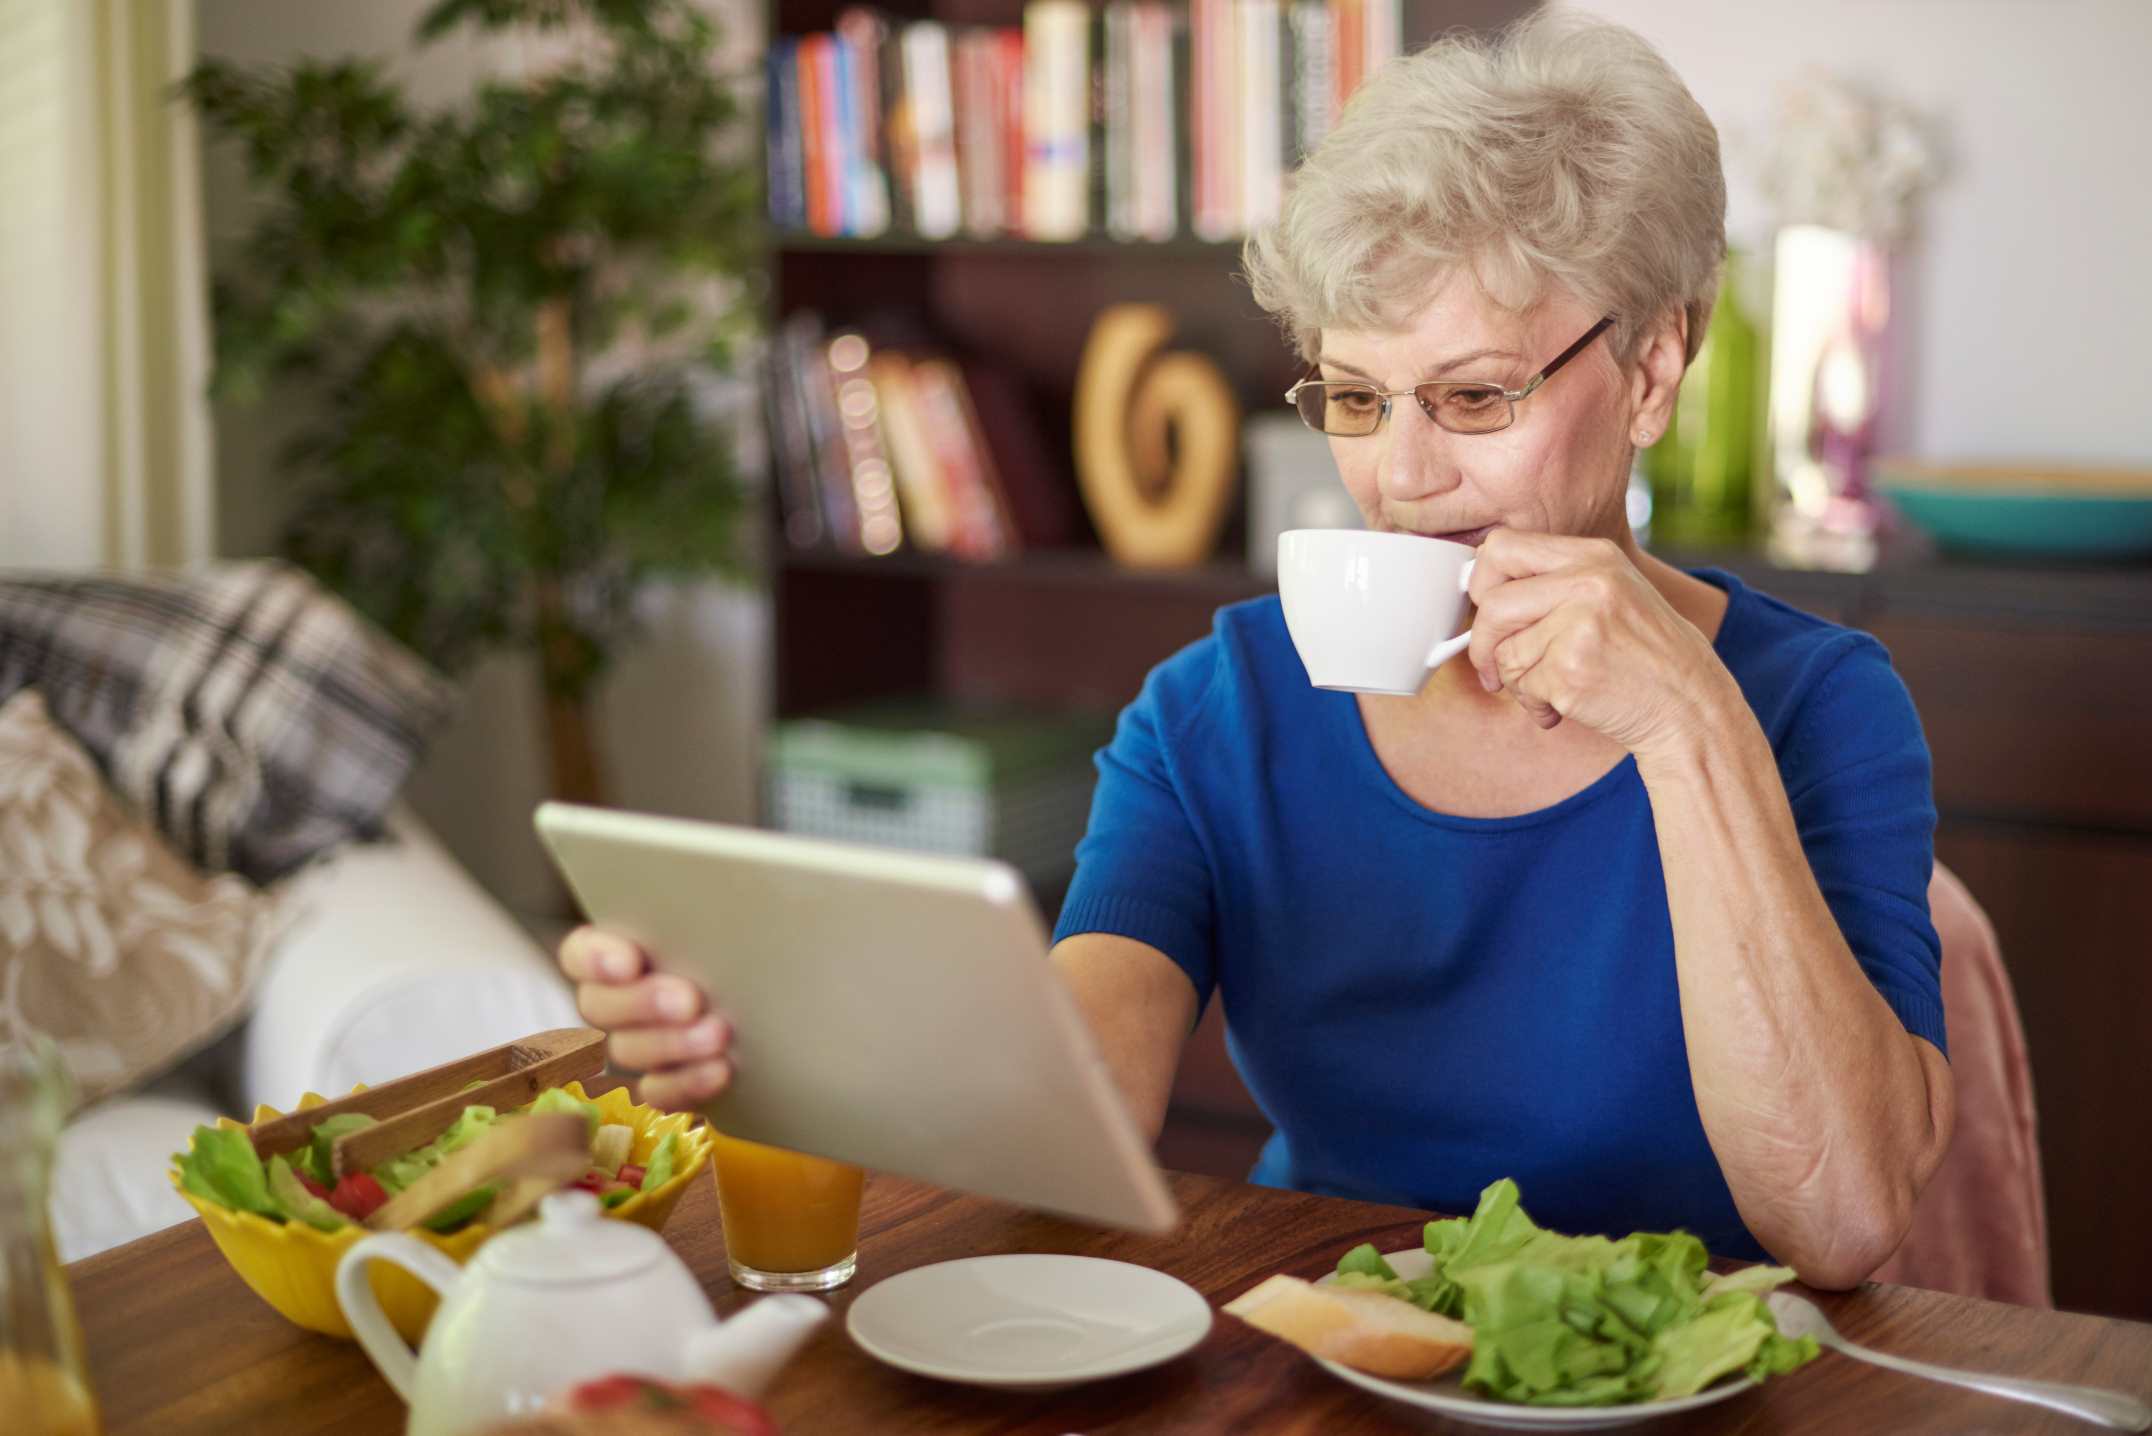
x: 1353, y: 410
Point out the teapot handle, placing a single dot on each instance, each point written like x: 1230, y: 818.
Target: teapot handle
x: 355, y: 1294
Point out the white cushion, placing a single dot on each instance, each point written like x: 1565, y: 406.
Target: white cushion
x: 401, y: 962
x: 109, y: 1184
x: 397, y: 961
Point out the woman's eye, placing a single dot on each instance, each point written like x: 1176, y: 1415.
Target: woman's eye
x: 1469, y: 399
x: 1357, y: 401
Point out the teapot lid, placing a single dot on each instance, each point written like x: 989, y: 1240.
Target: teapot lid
x: 570, y: 1242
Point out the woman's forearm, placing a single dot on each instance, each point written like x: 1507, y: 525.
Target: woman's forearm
x: 1825, y: 1114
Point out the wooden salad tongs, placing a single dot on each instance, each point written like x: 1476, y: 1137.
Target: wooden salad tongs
x: 525, y: 1159
x: 412, y: 1111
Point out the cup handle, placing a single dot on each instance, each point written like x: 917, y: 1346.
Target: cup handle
x: 1449, y: 648
x: 355, y: 1294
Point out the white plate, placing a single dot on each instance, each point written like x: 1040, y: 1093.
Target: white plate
x: 1453, y: 1400
x: 1027, y: 1322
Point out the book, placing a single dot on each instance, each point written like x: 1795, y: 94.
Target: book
x: 899, y: 149
x: 865, y: 460
x: 1157, y: 132
x: 936, y: 201
x: 1349, y: 44
x: 1313, y: 86
x: 922, y: 487
x: 1383, y: 33
x: 1009, y: 69
x: 791, y: 452
x: 978, y: 527
x: 982, y: 166
x: 862, y: 35
x: 823, y: 213
x: 1112, y: 156
x: 1057, y: 105
x: 1261, y: 110
x: 787, y: 192
x: 800, y: 339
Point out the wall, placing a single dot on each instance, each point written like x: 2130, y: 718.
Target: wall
x: 2033, y: 261
x: 677, y: 726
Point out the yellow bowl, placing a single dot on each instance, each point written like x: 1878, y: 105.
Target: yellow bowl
x: 292, y: 1266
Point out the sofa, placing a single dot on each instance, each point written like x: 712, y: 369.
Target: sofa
x: 395, y: 960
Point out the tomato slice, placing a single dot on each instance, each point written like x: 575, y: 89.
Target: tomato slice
x: 358, y: 1195
x: 726, y: 1413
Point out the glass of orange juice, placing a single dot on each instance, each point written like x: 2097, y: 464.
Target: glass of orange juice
x: 791, y: 1220
x: 44, y: 1390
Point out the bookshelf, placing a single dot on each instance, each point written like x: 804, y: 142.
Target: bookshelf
x: 1060, y: 627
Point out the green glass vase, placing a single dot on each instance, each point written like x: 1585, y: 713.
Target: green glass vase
x: 1703, y: 469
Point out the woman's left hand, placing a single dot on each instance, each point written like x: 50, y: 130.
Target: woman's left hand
x: 1571, y: 629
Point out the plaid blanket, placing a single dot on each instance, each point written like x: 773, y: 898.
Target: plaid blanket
x: 257, y: 720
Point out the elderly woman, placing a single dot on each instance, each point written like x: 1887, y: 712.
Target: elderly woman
x: 1631, y: 906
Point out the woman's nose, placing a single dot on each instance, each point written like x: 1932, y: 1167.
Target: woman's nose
x: 1417, y: 461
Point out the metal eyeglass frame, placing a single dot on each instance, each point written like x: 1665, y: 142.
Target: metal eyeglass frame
x: 1512, y: 397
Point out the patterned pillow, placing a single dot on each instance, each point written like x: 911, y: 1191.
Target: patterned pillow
x: 110, y: 943
x: 255, y: 718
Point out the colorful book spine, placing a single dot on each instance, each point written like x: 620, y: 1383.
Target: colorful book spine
x: 1009, y: 68
x: 922, y: 488
x: 861, y: 38
x: 787, y: 188
x: 981, y: 165
x: 1383, y: 33
x: 821, y: 214
x: 1057, y: 105
x: 872, y: 481
x: 936, y: 201
x: 1155, y: 131
x: 1348, y: 19
x: 1313, y: 57
x: 1261, y: 111
x: 791, y: 451
x: 979, y: 527
x: 807, y: 372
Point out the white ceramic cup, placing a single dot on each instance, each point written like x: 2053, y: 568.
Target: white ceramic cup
x: 1373, y: 612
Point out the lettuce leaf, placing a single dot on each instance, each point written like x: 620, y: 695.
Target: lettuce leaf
x: 221, y: 1166
x: 299, y: 1204
x: 313, y: 1158
x: 1587, y: 1321
x: 659, y: 1171
x: 560, y: 1099
x: 400, y: 1172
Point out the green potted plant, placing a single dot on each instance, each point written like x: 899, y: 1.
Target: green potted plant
x: 501, y: 322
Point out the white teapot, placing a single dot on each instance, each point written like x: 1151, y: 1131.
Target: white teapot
x: 561, y: 1301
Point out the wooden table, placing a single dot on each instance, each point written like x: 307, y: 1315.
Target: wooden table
x: 178, y: 1345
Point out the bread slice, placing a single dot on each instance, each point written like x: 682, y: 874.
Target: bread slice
x: 1366, y: 1330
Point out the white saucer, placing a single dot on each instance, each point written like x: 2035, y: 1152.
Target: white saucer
x: 1027, y: 1322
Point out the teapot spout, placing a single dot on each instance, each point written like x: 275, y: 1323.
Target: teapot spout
x: 744, y: 1353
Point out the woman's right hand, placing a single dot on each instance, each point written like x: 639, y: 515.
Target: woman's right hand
x: 657, y: 1024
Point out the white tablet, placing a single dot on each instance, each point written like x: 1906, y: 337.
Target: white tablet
x: 895, y: 1010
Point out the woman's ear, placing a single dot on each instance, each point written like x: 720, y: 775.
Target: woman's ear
x: 1660, y: 363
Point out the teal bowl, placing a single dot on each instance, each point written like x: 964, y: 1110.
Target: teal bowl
x: 2085, y: 513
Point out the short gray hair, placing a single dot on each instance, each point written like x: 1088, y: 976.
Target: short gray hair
x: 1565, y: 151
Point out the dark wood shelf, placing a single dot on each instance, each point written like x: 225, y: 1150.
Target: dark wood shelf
x: 1912, y: 584
x: 1079, y: 568
x: 794, y: 242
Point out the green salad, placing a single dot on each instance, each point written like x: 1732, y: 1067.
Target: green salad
x: 223, y: 1167
x: 1587, y: 1321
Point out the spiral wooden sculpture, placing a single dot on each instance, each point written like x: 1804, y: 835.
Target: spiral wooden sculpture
x: 1157, y: 441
